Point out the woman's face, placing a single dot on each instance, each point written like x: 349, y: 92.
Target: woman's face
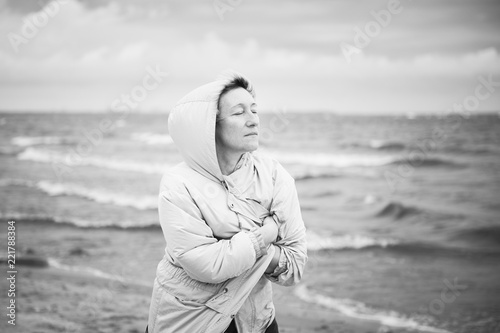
x: 237, y: 127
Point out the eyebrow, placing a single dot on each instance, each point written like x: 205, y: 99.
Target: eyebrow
x: 243, y: 104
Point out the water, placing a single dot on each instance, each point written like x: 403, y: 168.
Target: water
x: 402, y: 214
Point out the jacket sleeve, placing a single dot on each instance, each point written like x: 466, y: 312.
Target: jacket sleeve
x: 285, y: 208
x: 191, y: 243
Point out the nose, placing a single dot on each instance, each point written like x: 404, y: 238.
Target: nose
x: 252, y: 119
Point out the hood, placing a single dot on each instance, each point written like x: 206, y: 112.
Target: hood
x: 191, y: 125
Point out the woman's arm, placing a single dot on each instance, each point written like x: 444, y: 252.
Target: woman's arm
x: 270, y: 234
x: 275, y: 261
x: 191, y: 243
x: 292, y: 243
x: 269, y: 230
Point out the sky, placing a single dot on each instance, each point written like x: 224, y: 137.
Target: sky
x: 347, y: 57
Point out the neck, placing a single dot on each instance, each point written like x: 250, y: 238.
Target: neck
x: 227, y: 161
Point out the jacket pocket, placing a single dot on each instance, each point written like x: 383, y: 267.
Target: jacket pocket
x: 177, y: 283
x: 192, y: 296
x: 156, y: 301
x: 181, y: 316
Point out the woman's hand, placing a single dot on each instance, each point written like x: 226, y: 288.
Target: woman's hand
x: 275, y: 261
x: 269, y: 230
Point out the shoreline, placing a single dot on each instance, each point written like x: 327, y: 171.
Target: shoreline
x: 50, y: 299
x: 100, y: 280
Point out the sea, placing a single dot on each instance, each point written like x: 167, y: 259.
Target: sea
x: 402, y: 212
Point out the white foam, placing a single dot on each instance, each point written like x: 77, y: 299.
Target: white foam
x: 26, y: 141
x: 99, y: 195
x: 377, y: 143
x: 126, y: 165
x: 359, y: 310
x: 306, y: 173
x: 78, y: 222
x: 370, y: 199
x: 93, y: 272
x: 331, y: 160
x: 86, y: 270
x: 152, y: 138
x: 46, y: 156
x: 301, y: 172
x: 39, y: 155
x: 316, y: 242
x: 351, y: 164
x: 381, y: 144
x: 41, y: 217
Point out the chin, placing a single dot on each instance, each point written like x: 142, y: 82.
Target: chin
x: 252, y: 147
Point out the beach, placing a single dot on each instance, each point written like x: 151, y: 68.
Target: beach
x: 55, y: 297
x: 61, y: 301
x: 402, y: 225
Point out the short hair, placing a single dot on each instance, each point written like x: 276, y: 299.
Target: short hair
x: 236, y: 82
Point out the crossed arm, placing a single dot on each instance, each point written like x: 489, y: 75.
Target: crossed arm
x: 269, y: 233
x: 191, y: 242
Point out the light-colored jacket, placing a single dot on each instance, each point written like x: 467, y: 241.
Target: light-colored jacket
x: 215, y: 257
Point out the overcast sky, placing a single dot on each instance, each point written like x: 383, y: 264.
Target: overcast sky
x: 424, y: 56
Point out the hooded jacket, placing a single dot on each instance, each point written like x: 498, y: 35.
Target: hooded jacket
x: 215, y: 258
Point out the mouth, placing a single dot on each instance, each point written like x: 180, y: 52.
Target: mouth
x: 254, y: 133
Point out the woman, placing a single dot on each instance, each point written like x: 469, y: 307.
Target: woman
x: 231, y: 219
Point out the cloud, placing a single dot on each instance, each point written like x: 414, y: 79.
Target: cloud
x: 90, y: 52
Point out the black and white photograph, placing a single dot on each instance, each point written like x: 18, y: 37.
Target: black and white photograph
x: 250, y: 166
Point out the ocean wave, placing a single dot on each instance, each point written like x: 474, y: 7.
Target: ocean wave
x: 9, y: 150
x: 331, y: 160
x: 447, y: 249
x: 397, y: 210
x: 85, y: 270
x: 398, y: 146
x: 304, y: 172
x: 45, y: 156
x: 94, y: 272
x: 31, y: 261
x: 98, y: 195
x: 327, y: 193
x: 473, y: 149
x: 386, y: 145
x: 16, y: 182
x: 360, y: 310
x: 44, y: 219
x: 313, y: 174
x: 316, y: 242
x: 26, y: 141
x: 418, y: 162
x: 389, y: 145
x: 152, y: 138
x: 37, y: 155
x: 487, y: 236
x: 376, y: 144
